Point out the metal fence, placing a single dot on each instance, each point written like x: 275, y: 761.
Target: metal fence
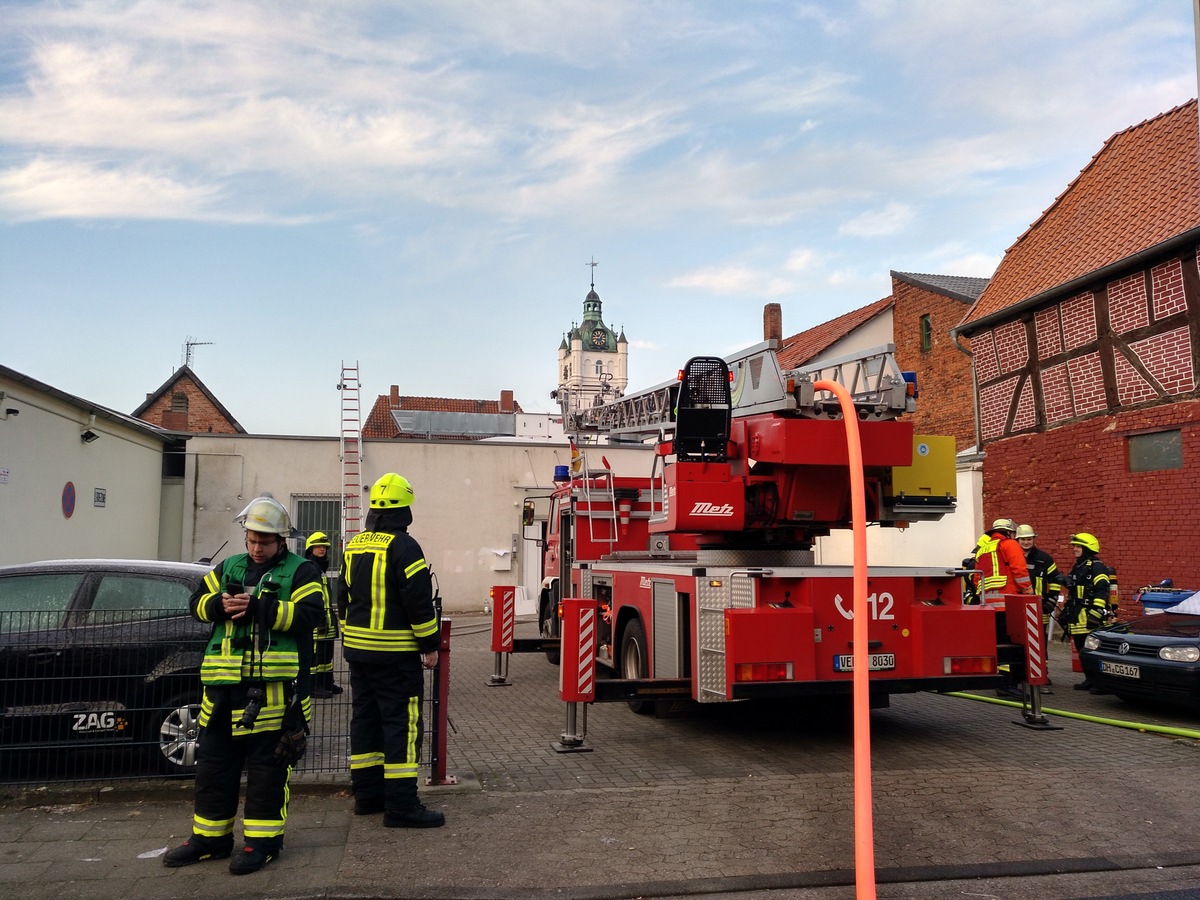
x: 117, y: 697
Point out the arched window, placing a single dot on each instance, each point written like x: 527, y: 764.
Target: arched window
x: 599, y: 368
x: 926, y: 333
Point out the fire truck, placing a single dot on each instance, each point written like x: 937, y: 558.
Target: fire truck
x: 702, y: 571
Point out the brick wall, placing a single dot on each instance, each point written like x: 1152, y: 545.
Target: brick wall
x: 1077, y: 478
x: 945, y: 405
x: 202, y: 415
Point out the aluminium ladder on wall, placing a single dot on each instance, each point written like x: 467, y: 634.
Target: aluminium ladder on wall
x: 351, y: 452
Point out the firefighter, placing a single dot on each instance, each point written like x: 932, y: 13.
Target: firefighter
x: 390, y: 630
x: 316, y: 551
x: 1002, y: 563
x: 1043, y: 574
x: 1087, y: 599
x: 263, y: 605
x: 1003, y: 571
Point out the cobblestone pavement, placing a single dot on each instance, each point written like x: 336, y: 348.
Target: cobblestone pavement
x: 747, y: 801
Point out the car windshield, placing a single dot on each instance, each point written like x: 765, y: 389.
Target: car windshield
x: 1178, y: 625
x: 37, y: 601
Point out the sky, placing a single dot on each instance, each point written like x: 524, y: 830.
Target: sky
x: 417, y: 188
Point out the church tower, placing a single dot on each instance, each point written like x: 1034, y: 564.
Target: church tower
x: 593, y: 360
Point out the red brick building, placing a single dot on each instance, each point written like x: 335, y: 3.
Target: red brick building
x: 183, y: 403
x: 395, y: 417
x: 1086, y: 345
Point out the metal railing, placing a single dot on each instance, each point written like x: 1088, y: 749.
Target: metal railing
x: 116, y: 696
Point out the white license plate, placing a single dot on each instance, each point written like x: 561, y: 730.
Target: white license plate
x: 879, y: 662
x: 1123, y: 669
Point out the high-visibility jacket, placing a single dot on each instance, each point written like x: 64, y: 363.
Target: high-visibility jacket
x: 1087, y: 601
x: 1002, y: 563
x: 385, y: 597
x: 289, y: 594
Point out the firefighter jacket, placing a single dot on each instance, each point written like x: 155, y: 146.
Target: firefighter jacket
x: 1087, y: 598
x: 327, y: 628
x: 1002, y: 563
x: 269, y: 647
x: 385, y: 598
x: 1046, y: 583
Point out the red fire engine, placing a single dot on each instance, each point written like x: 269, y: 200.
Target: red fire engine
x: 702, y: 571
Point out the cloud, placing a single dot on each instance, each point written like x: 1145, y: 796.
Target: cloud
x: 891, y: 219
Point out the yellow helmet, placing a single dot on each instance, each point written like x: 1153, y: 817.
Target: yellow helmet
x: 265, y: 514
x: 1087, y: 541
x: 1025, y: 531
x: 317, y: 539
x: 392, y: 491
x: 1004, y: 525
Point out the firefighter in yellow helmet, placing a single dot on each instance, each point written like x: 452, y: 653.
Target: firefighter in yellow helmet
x: 263, y: 605
x: 390, y: 631
x: 316, y: 551
x: 1087, y: 599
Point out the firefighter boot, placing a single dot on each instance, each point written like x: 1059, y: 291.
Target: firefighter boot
x: 414, y: 817
x: 197, y: 849
x: 253, y: 857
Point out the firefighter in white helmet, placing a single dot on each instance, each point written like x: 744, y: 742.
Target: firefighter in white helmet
x: 385, y: 600
x: 263, y: 605
x: 1043, y: 573
x: 1002, y: 563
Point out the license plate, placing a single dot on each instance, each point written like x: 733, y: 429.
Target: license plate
x: 1123, y: 669
x: 879, y: 662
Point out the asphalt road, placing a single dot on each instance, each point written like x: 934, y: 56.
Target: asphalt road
x: 745, y: 800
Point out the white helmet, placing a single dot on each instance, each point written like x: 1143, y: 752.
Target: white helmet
x: 1025, y: 531
x: 265, y: 514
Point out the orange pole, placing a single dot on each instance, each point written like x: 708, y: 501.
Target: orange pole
x: 864, y: 828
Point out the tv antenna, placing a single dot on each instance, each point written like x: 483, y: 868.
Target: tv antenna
x: 188, y: 346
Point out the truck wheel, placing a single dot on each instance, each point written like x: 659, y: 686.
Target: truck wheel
x: 173, y: 735
x: 548, y: 627
x: 633, y: 662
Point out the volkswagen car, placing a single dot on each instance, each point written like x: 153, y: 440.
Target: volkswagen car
x: 1154, y: 657
x: 101, y: 653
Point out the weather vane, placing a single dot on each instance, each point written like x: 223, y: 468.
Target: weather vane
x: 593, y: 264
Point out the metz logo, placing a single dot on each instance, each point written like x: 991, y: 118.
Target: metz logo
x: 704, y: 508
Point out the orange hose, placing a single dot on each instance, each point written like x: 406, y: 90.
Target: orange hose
x: 864, y: 828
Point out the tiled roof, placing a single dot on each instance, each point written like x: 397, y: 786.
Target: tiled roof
x: 956, y: 287
x: 800, y: 348
x: 1142, y: 188
x: 381, y: 424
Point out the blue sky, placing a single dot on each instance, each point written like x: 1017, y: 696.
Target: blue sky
x: 418, y: 187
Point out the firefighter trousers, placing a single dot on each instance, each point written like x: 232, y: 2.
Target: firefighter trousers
x: 385, y: 731
x: 221, y: 756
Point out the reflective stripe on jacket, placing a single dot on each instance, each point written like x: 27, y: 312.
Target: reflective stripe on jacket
x: 386, y: 594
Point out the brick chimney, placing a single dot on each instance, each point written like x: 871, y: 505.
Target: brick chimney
x: 394, y: 399
x: 772, y: 322
x: 506, y: 401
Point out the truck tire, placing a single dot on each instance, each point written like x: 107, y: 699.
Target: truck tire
x: 548, y: 627
x: 634, y: 662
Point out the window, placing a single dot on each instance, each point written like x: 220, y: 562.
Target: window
x: 35, y: 602
x: 320, y: 512
x: 1155, y: 450
x: 128, y: 598
x: 599, y: 369
x: 179, y: 402
x: 926, y: 333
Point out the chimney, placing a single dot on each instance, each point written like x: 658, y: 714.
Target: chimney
x: 394, y: 400
x: 506, y: 401
x: 772, y: 322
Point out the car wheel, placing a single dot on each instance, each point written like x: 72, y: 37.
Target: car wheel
x: 174, y: 736
x: 634, y: 664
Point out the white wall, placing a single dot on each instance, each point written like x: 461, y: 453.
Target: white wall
x: 41, y: 451
x: 941, y: 543
x: 468, y: 496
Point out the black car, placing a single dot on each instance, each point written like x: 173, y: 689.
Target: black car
x: 1154, y: 657
x: 101, y: 653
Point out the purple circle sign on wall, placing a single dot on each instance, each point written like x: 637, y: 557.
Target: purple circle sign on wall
x: 68, y: 499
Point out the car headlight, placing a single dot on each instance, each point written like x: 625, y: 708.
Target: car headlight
x: 1180, y: 654
x: 1091, y: 642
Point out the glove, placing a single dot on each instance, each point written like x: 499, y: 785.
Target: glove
x: 293, y: 742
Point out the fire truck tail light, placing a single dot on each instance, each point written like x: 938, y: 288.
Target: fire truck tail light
x: 779, y: 671
x: 969, y: 665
